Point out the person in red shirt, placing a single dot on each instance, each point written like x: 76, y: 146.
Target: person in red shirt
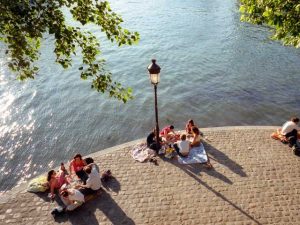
x: 76, y: 167
x: 169, y: 134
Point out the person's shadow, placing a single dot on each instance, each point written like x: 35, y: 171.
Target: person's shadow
x: 112, y: 185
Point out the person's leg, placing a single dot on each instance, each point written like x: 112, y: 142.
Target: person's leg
x: 87, y: 191
x: 178, y: 150
x: 155, y: 147
x: 82, y: 175
x: 73, y: 206
x: 292, y: 137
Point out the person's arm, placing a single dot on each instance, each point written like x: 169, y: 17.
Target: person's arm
x: 52, y: 187
x: 71, y: 167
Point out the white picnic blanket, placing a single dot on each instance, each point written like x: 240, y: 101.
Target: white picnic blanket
x: 196, y: 155
x: 142, y: 153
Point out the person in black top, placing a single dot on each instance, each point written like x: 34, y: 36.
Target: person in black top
x: 151, y: 141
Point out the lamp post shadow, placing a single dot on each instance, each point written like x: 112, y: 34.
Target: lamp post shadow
x: 193, y: 171
x: 223, y: 159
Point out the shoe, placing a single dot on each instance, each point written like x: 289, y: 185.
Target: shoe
x: 291, y: 145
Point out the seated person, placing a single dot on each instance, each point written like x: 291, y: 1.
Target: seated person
x: 56, y: 180
x: 93, y: 183
x: 151, y: 141
x: 188, y: 126
x: 196, y: 137
x: 90, y: 160
x: 72, y: 198
x: 290, y: 131
x: 169, y: 134
x: 76, y: 167
x: 182, y: 147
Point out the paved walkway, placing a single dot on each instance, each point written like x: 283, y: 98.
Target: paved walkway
x: 255, y: 180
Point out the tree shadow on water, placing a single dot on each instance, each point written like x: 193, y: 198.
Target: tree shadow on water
x: 223, y: 159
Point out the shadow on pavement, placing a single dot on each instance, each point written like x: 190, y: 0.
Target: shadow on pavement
x: 223, y: 159
x: 86, y: 214
x: 112, y: 185
x: 197, y: 168
x: 193, y: 169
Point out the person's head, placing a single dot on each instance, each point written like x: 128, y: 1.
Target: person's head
x: 51, y: 174
x: 89, y: 160
x: 87, y: 169
x: 77, y: 157
x: 195, y: 130
x: 183, y: 137
x: 191, y: 122
x: 172, y: 127
x: 295, y: 119
x: 64, y: 193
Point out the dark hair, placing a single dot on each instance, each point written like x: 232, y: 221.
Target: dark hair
x: 171, y: 127
x: 183, y: 137
x: 64, y: 193
x: 295, y: 119
x: 88, y: 169
x: 191, y: 122
x: 89, y: 160
x: 78, y: 156
x: 195, y: 130
x: 50, y: 173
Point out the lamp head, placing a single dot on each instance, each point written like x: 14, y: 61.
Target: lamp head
x: 154, y: 71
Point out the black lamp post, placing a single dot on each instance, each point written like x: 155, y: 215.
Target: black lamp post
x: 154, y: 71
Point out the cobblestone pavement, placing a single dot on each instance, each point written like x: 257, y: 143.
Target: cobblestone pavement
x: 255, y: 180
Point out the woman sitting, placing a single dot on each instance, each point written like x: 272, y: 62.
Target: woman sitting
x: 196, y: 137
x: 72, y: 198
x: 55, y: 180
x: 188, y: 126
x: 76, y: 167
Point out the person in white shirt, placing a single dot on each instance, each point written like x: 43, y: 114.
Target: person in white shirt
x: 182, y: 147
x: 290, y: 130
x: 93, y: 183
x: 72, y: 198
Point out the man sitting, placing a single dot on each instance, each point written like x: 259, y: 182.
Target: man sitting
x: 182, y: 147
x: 93, y: 183
x: 290, y: 131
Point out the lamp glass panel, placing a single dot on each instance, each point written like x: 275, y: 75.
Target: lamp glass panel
x: 154, y: 78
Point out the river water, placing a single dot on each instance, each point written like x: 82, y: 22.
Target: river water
x: 215, y: 69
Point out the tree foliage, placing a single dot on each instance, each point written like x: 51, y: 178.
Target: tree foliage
x: 282, y: 15
x: 24, y: 23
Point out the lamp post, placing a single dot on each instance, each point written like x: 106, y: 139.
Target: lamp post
x: 154, y: 71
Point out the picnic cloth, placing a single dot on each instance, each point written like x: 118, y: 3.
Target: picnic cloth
x: 196, y: 155
x: 142, y: 153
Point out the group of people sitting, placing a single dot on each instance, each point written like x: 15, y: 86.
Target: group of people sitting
x: 289, y: 133
x: 182, y: 143
x: 82, y: 179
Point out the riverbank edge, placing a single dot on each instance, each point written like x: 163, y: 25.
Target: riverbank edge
x: 22, y: 188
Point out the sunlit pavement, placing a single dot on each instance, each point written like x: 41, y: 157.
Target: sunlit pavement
x: 255, y: 180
